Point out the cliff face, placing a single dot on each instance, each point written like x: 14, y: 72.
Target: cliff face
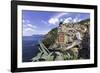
x: 85, y: 51
x: 50, y: 37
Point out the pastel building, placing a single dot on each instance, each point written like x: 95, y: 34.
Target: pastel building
x: 62, y: 37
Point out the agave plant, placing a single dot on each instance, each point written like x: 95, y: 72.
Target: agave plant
x: 46, y: 55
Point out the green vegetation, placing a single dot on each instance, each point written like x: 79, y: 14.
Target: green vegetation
x: 50, y: 37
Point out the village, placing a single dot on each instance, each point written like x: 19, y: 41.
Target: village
x: 66, y: 45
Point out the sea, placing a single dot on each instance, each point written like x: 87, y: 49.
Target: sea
x: 30, y: 47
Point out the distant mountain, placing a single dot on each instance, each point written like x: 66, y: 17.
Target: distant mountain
x: 32, y: 40
x: 33, y: 37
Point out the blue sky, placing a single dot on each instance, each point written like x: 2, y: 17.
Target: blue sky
x: 40, y: 22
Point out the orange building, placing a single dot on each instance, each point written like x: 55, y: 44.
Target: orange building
x: 61, y: 37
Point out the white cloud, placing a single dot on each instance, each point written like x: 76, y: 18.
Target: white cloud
x: 28, y: 32
x: 68, y: 20
x: 28, y: 28
x: 55, y: 19
x: 25, y: 21
x: 76, y: 19
x: 44, y: 22
x: 72, y: 20
x: 31, y: 26
x: 60, y: 15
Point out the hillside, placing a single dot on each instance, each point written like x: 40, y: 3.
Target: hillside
x: 76, y: 43
x: 52, y: 35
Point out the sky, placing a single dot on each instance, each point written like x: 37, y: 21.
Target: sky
x: 41, y: 22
